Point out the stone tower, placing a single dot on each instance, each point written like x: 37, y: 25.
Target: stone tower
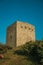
x: 19, y: 33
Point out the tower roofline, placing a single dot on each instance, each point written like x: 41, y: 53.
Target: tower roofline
x: 21, y: 22
x: 25, y: 23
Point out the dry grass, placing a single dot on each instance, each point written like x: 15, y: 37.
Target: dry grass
x: 13, y: 59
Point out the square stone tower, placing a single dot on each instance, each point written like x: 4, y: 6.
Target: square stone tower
x: 19, y: 33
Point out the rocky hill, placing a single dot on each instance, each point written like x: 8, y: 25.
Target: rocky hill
x: 29, y: 54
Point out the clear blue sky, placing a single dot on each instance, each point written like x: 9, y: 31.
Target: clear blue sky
x: 30, y: 11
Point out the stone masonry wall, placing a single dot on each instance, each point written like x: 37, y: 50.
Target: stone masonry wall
x: 11, y: 35
x: 25, y: 33
x: 19, y: 33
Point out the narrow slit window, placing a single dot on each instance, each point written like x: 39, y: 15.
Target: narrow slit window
x: 29, y: 28
x: 32, y: 29
x: 25, y: 27
x: 11, y: 37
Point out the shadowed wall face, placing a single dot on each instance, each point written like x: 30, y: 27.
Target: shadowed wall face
x: 19, y: 33
x: 11, y: 35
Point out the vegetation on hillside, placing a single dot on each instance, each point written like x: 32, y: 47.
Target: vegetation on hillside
x: 30, y: 53
x: 33, y: 50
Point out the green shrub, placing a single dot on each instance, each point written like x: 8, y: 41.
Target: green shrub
x: 33, y: 50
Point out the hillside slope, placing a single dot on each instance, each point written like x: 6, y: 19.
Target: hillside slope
x: 18, y: 55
